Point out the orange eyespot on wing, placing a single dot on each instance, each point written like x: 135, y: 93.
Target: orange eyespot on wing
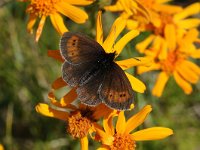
x: 77, y: 48
x: 116, y: 90
x: 72, y: 46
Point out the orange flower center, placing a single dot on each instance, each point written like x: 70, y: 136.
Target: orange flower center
x: 42, y: 7
x: 166, y: 19
x: 123, y: 142
x: 174, y: 58
x: 78, y: 125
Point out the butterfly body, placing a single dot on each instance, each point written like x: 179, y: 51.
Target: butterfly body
x: 107, y: 61
x: 93, y: 71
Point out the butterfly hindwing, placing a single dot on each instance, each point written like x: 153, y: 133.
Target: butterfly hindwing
x: 88, y: 94
x: 116, y: 90
x: 77, y: 48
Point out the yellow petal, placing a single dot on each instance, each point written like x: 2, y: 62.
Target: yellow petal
x: 189, y: 38
x: 131, y: 24
x: 141, y: 46
x: 1, y: 147
x: 58, y: 23
x: 136, y: 84
x: 144, y: 69
x: 59, y: 103
x: 171, y: 9
x: 84, y: 143
x: 196, y: 54
x: 189, y: 23
x: 80, y: 2
x: 108, y: 123
x: 40, y: 28
x: 106, y: 139
x: 197, y: 40
x: 162, y: 1
x: 137, y: 119
x: 126, y: 6
x: 188, y: 74
x: 188, y: 11
x: 58, y: 83
x: 170, y: 36
x: 99, y: 29
x: 104, y: 147
x: 31, y: 22
x: 155, y: 19
x: 45, y: 110
x: 182, y: 83
x: 55, y: 54
x: 65, y: 101
x: 116, y: 29
x: 187, y: 49
x: 163, y: 50
x: 192, y: 66
x: 138, y: 61
x: 145, y: 14
x: 69, y: 97
x: 74, y: 13
x: 121, y: 123
x: 157, y: 44
x: 160, y: 84
x: 154, y: 133
x: 124, y: 40
x: 113, y: 8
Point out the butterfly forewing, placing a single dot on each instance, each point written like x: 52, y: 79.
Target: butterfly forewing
x: 80, y: 74
x: 77, y: 48
x: 116, y: 90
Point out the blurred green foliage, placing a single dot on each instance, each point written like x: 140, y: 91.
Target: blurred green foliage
x: 26, y: 74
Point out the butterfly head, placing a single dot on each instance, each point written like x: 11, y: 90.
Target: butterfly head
x: 112, y: 55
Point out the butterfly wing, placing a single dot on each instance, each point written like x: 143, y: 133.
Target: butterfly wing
x: 80, y: 74
x: 88, y: 94
x: 116, y: 90
x: 77, y: 48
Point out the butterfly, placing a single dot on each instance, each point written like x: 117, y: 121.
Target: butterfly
x: 93, y: 71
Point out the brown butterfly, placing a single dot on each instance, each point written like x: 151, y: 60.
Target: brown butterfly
x: 93, y: 71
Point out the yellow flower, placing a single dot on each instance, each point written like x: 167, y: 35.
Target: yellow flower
x: 157, y: 10
x: 130, y: 10
x: 54, y: 8
x: 173, y: 58
x: 122, y: 137
x: 81, y: 120
x: 1, y: 147
x: 170, y: 23
x: 140, y: 14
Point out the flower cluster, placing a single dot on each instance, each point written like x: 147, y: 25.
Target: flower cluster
x: 83, y: 120
x: 171, y: 43
x: 170, y: 48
